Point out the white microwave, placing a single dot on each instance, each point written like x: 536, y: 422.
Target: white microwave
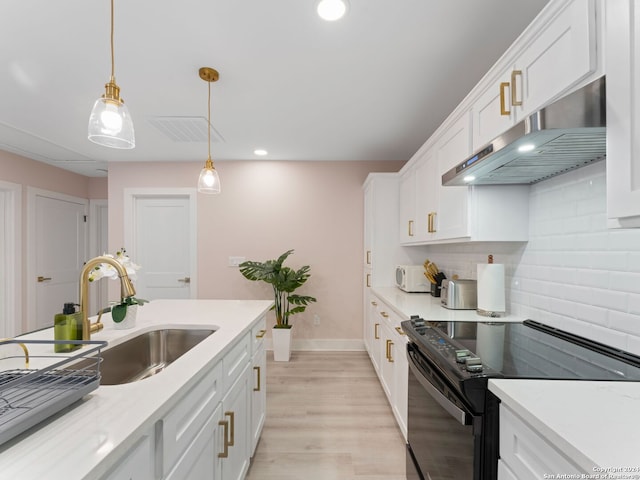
x: 410, y: 278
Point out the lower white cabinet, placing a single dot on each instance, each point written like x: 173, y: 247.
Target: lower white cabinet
x: 212, y: 431
x: 526, y: 455
x: 236, y: 439
x: 199, y: 461
x: 259, y: 387
x: 386, y: 345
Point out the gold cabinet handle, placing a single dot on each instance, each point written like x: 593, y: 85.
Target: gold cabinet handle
x: 375, y: 331
x: 185, y: 280
x: 384, y: 314
x: 389, y: 345
x: 430, y: 222
x: 368, y: 257
x: 225, y: 433
x: 503, y: 102
x: 232, y: 423
x: 410, y: 228
x: 368, y: 279
x: 257, y: 388
x: 514, y: 97
x: 400, y: 331
x: 261, y: 333
x: 43, y: 279
x: 375, y: 304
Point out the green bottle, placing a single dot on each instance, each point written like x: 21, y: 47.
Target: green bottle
x: 67, y: 326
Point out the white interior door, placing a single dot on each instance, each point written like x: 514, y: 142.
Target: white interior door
x: 163, y: 242
x: 58, y: 246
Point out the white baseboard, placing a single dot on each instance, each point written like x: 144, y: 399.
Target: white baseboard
x: 322, y: 345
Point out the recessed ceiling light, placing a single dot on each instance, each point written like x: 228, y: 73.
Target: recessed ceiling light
x: 261, y: 152
x: 331, y: 10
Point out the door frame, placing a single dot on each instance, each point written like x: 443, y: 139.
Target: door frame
x: 11, y: 259
x: 32, y: 193
x: 98, y: 245
x: 131, y: 195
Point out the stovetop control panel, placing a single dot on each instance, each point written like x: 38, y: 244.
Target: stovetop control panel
x: 443, y: 348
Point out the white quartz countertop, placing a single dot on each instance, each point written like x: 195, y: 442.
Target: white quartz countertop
x: 595, y: 424
x: 429, y: 308
x: 86, y: 439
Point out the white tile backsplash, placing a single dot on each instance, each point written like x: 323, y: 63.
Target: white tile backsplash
x: 574, y: 273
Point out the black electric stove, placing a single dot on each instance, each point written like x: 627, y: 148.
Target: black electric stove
x: 468, y: 353
x: 450, y: 364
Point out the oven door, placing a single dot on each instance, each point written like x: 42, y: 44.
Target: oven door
x: 440, y: 427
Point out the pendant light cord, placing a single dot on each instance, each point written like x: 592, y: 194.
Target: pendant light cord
x: 113, y: 63
x: 209, y: 120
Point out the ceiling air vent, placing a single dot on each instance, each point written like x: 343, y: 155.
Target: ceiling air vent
x: 185, y: 129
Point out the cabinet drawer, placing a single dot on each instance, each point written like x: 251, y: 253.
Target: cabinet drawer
x: 235, y: 361
x: 526, y: 453
x: 257, y: 334
x: 182, y: 424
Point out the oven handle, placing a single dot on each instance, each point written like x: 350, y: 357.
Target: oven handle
x: 460, y: 415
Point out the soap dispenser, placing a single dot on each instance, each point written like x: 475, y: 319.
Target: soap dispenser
x: 67, y: 326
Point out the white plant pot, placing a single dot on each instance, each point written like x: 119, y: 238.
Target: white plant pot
x: 281, y: 344
x: 129, y: 320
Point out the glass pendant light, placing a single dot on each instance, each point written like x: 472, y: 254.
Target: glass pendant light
x: 209, y: 181
x: 110, y: 124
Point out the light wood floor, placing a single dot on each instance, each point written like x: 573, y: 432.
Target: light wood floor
x: 327, y: 419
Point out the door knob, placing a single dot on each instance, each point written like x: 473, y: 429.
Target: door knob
x: 43, y: 279
x: 185, y: 280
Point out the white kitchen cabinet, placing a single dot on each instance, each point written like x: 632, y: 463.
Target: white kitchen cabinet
x: 623, y: 112
x: 387, y: 346
x: 526, y: 454
x: 201, y: 459
x: 382, y: 251
x: 259, y: 387
x: 407, y: 206
x: 481, y: 213
x: 237, y: 411
x: 138, y: 464
x: 372, y: 330
x: 556, y: 54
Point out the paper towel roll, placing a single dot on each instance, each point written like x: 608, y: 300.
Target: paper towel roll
x: 491, y: 295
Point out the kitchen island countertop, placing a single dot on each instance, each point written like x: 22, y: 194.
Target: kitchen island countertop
x: 595, y: 424
x: 86, y: 440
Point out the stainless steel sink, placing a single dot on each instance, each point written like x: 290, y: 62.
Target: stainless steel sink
x: 147, y: 354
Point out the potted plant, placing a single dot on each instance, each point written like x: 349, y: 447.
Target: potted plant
x: 284, y: 281
x: 124, y: 312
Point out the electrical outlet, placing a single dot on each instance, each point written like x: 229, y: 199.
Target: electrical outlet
x: 316, y: 319
x: 236, y: 261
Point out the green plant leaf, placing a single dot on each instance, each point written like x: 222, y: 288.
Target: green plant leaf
x: 118, y: 312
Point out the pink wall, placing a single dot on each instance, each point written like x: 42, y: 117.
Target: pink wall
x: 266, y: 208
x: 29, y: 173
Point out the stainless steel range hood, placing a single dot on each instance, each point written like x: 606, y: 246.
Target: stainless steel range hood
x: 567, y: 134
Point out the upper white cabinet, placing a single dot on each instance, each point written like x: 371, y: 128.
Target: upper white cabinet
x: 381, y: 243
x: 558, y: 52
x: 456, y: 214
x: 623, y: 112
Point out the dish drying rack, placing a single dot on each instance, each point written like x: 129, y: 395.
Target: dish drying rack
x: 31, y: 395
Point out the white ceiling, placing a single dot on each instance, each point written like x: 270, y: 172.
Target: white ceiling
x: 372, y: 86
